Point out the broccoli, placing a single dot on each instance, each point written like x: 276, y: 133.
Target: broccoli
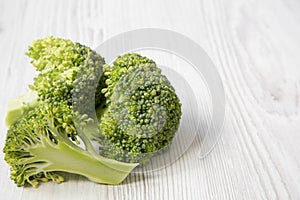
x: 42, y: 138
x: 38, y: 145
x: 59, y: 63
x: 138, y: 113
x: 62, y: 65
x: 142, y: 111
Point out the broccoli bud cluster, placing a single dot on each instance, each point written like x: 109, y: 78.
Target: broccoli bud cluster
x: 58, y: 62
x: 143, y: 111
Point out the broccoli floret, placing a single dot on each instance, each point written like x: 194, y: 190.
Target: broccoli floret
x: 40, y: 144
x: 42, y: 139
x: 143, y: 112
x: 58, y: 62
x: 62, y: 66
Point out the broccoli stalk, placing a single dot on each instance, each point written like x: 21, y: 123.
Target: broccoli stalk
x: 66, y: 157
x: 38, y: 146
x: 17, y: 107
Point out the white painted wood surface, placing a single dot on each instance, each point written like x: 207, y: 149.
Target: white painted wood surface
x: 255, y: 45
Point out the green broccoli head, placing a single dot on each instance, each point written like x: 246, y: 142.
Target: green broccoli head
x: 58, y: 62
x: 143, y: 113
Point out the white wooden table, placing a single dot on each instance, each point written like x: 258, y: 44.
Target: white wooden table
x: 255, y: 45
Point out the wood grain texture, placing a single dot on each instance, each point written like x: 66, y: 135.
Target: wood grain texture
x: 255, y: 45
